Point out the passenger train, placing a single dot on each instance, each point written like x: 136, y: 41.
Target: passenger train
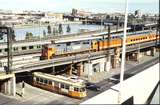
x: 55, y: 49
x: 63, y: 85
x: 19, y: 61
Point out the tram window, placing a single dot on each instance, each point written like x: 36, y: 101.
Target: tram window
x: 37, y: 79
x: 41, y: 80
x: 67, y: 86
x: 131, y: 40
x: 62, y: 85
x: 50, y: 82
x: 56, y: 84
x: 45, y: 81
x: 82, y: 89
x: 76, y: 89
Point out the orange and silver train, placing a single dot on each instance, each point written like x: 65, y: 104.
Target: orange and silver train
x: 68, y: 48
x: 63, y: 85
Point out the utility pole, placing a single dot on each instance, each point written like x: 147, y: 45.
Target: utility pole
x: 109, y: 38
x: 101, y: 23
x: 9, y: 32
x: 117, y: 27
x: 123, y: 54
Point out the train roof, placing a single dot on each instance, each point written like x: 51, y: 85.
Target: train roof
x: 62, y: 79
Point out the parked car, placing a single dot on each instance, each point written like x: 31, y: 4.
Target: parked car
x: 92, y: 86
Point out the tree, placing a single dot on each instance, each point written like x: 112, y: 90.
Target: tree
x: 60, y: 30
x: 49, y: 29
x: 29, y: 35
x: 68, y: 28
x: 44, y: 33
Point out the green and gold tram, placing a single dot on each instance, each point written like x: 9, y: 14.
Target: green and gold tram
x: 60, y: 84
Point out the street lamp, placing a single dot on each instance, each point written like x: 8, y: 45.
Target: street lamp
x: 9, y: 32
x: 123, y: 54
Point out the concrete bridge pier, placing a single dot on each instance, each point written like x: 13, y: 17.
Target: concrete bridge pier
x: 115, y: 58
x: 8, y: 84
x: 88, y: 68
x: 108, y: 64
x: 69, y: 72
x: 80, y: 69
x: 151, y: 51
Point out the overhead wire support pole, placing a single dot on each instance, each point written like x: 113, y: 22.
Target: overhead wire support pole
x: 123, y: 54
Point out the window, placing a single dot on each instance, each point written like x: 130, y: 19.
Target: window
x: 82, y: 89
x: 38, y: 46
x: 15, y: 48
x: 67, y: 87
x: 45, y: 81
x: 50, y: 82
x: 37, y: 79
x: 6, y: 49
x: 76, y: 89
x: 30, y: 47
x: 41, y: 80
x: 24, y: 48
x: 58, y: 45
x: 68, y: 44
x: 85, y: 42
x: 0, y: 50
x: 62, y: 85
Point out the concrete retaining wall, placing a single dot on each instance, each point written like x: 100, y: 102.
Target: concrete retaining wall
x: 139, y: 86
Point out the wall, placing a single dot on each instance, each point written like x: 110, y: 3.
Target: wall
x: 139, y: 86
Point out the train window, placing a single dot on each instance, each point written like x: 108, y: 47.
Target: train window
x: 45, y: 81
x: 24, y: 48
x: 85, y: 42
x: 15, y: 48
x: 76, y: 89
x: 58, y: 45
x: 62, y: 85
x: 6, y: 49
x: 77, y: 43
x: 30, y: 47
x: 1, y: 64
x: 68, y: 44
x: 38, y: 46
x: 0, y: 50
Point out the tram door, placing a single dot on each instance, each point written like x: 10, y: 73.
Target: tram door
x: 64, y: 88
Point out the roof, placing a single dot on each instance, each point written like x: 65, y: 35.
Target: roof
x: 62, y: 79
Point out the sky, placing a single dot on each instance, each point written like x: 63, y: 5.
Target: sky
x: 102, y: 6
